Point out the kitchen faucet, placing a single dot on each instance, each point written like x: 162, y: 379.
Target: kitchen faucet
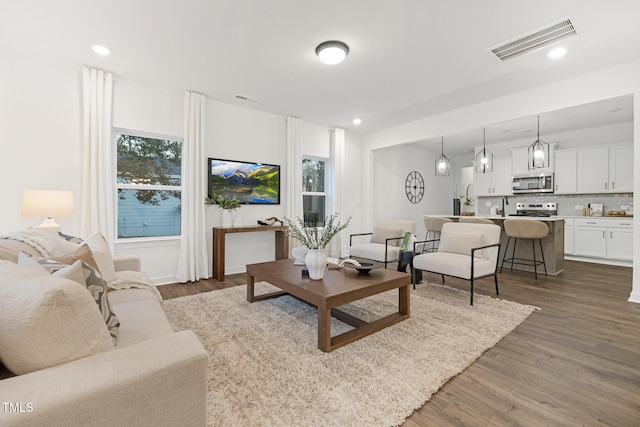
x: 505, y: 200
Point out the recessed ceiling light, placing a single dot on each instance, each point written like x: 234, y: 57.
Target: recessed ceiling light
x: 101, y: 50
x: 558, y: 52
x: 332, y: 52
x: 357, y: 121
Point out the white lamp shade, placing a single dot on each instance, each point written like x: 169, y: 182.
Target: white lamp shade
x: 47, y: 203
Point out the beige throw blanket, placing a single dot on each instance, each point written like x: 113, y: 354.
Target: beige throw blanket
x: 133, y: 279
x: 40, y: 241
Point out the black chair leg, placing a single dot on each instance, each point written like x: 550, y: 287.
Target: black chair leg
x: 513, y: 254
x: 471, y: 302
x: 535, y: 263
x: 442, y: 278
x: 495, y: 277
x: 504, y: 255
x: 544, y: 264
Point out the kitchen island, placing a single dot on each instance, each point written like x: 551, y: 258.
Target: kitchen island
x: 553, y: 244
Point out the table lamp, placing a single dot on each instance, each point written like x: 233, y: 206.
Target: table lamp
x: 48, y: 204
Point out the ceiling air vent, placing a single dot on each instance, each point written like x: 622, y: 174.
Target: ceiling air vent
x: 537, y: 39
x: 245, y: 98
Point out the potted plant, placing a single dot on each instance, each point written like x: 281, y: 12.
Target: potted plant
x: 316, y: 240
x: 467, y: 201
x: 226, y: 203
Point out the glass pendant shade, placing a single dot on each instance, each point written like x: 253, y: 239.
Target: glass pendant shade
x: 538, y: 154
x: 484, y: 158
x: 443, y: 166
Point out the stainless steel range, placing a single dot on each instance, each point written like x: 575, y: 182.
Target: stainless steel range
x: 536, y: 209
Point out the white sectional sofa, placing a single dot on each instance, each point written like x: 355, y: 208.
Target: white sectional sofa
x: 148, y: 376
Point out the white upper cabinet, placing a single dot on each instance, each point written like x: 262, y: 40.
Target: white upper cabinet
x: 621, y: 168
x: 566, y: 175
x: 520, y: 161
x: 495, y: 183
x: 605, y: 169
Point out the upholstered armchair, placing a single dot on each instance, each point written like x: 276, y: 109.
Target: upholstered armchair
x: 467, y: 251
x: 384, y: 242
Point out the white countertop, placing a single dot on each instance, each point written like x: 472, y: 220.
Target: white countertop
x: 538, y: 218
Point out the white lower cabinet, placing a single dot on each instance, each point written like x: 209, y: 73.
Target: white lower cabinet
x: 568, y: 236
x: 608, y: 238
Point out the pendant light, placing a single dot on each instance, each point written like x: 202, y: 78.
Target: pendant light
x: 484, y: 158
x: 442, y: 163
x: 538, y: 152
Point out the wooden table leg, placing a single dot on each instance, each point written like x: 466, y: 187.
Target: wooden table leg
x: 219, y: 237
x: 324, y: 329
x: 250, y: 288
x: 403, y: 300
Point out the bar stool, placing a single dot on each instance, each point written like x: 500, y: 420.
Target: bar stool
x: 433, y: 224
x: 475, y: 220
x: 525, y: 229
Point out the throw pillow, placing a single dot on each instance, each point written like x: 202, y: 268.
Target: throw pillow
x: 90, y: 279
x: 72, y: 272
x: 380, y: 235
x: 46, y: 321
x: 68, y: 238
x: 103, y: 257
x: 461, y: 243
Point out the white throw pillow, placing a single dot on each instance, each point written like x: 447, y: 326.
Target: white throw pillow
x: 46, y: 321
x: 102, y: 255
x: 380, y: 235
x: 461, y: 243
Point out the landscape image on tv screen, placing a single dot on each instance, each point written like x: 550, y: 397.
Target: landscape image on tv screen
x: 250, y: 183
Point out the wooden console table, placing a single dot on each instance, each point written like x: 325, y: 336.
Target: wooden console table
x: 219, y: 237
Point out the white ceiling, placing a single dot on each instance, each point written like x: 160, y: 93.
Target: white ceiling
x: 408, y: 58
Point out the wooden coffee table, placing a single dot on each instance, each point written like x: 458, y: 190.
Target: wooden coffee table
x: 338, y: 287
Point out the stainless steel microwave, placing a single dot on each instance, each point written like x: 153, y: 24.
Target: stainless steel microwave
x: 539, y: 183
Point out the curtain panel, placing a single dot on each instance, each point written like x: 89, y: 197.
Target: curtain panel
x: 193, y: 258
x: 97, y: 200
x: 339, y: 244
x: 294, y: 173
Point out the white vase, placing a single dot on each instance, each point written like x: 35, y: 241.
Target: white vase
x: 227, y: 220
x: 316, y: 260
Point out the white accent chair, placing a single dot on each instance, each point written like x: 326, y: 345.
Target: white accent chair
x: 384, y: 243
x: 467, y: 251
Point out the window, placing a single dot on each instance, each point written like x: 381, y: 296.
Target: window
x: 148, y: 181
x: 313, y: 192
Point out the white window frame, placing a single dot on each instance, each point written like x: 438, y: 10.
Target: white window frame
x: 120, y: 186
x: 318, y: 193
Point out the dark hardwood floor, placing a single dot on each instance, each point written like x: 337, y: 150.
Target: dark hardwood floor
x: 576, y: 362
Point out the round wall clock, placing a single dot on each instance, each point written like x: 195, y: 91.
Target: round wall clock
x: 414, y: 187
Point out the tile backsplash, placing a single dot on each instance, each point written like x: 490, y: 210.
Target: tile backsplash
x: 566, y: 202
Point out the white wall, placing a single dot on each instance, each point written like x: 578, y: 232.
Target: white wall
x: 391, y: 167
x: 40, y: 131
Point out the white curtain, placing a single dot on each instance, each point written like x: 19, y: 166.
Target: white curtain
x: 97, y: 212
x: 339, y: 244
x: 193, y: 258
x: 294, y: 172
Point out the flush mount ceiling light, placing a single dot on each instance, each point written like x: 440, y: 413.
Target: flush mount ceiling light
x: 484, y: 158
x: 101, y: 50
x: 538, y: 152
x: 332, y: 52
x: 357, y: 121
x: 442, y: 163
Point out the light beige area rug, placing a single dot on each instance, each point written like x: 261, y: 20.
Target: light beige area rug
x: 265, y: 368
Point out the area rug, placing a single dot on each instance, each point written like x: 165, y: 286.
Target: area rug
x: 265, y: 368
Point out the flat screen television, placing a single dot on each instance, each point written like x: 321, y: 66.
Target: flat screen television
x: 251, y: 183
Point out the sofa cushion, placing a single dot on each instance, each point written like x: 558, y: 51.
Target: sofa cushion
x: 375, y: 251
x: 142, y: 316
x: 380, y: 235
x: 460, y: 243
x: 102, y: 255
x: 46, y: 321
x: 453, y: 264
x: 90, y: 279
